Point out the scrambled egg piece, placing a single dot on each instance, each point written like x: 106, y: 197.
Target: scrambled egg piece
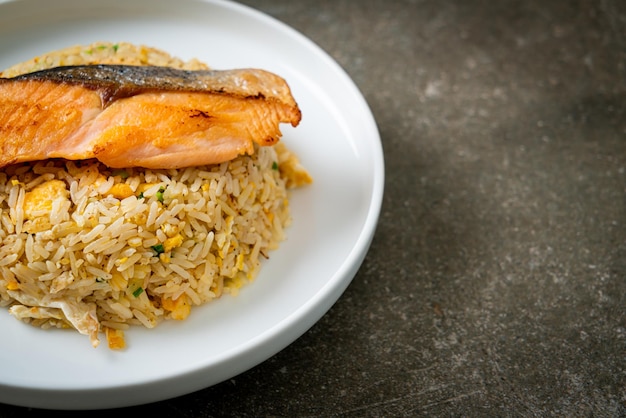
x: 115, y: 338
x: 38, y: 205
x: 121, y: 191
x: 38, y: 201
x: 179, y: 308
x: 170, y: 243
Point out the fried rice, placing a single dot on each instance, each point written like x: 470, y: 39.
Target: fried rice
x: 99, y: 250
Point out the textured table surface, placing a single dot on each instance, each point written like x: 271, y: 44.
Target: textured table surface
x: 496, y: 281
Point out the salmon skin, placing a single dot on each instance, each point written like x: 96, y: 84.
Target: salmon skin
x: 141, y: 116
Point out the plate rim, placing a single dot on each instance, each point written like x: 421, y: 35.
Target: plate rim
x: 301, y: 319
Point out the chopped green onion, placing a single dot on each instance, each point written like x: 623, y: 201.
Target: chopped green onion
x: 138, y: 292
x: 158, y: 249
x: 115, y: 47
x: 274, y: 165
x: 140, y: 196
x: 159, y: 194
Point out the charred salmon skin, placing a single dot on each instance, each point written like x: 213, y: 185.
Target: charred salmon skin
x: 141, y: 116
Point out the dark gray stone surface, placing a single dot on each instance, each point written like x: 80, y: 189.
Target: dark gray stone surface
x: 496, y: 281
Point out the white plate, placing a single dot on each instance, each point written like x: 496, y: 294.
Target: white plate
x: 334, y: 219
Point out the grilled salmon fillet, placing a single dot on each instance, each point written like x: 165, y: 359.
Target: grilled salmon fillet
x: 141, y: 116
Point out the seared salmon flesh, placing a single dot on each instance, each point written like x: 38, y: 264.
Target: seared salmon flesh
x: 141, y: 116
